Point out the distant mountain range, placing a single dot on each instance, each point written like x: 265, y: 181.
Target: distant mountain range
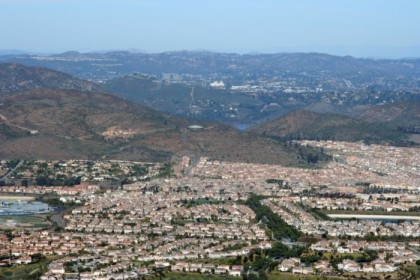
x: 234, y: 67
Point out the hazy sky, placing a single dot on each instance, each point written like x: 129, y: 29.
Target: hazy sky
x: 364, y: 28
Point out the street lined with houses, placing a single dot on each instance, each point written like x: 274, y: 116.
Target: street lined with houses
x: 203, y: 222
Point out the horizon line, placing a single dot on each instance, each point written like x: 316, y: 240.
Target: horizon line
x: 6, y: 52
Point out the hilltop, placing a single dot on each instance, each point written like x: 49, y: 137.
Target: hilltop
x: 71, y: 124
x: 303, y: 124
x: 17, y: 77
x: 405, y: 116
x: 400, y: 113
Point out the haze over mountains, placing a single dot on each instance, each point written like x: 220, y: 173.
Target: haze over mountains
x: 233, y: 66
x: 49, y: 114
x: 253, y: 87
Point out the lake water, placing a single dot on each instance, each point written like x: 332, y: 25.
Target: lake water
x: 22, y: 207
x: 242, y: 127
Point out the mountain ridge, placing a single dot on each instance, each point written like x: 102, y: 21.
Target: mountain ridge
x: 305, y: 124
x: 18, y: 77
x: 200, y: 62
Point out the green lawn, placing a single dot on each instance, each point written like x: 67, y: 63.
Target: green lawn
x: 219, y: 261
x: 375, y: 276
x: 26, y: 221
x: 413, y: 269
x: 195, y: 276
x: 30, y: 271
x: 276, y: 275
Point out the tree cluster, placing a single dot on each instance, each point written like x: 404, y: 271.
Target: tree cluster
x: 277, y: 225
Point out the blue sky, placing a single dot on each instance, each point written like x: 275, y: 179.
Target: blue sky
x: 362, y: 28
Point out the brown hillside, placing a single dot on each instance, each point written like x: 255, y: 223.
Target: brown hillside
x: 303, y: 124
x: 400, y: 113
x: 17, y: 77
x: 74, y: 124
x: 291, y: 123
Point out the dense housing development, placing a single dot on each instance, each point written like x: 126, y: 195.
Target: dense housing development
x: 218, y: 218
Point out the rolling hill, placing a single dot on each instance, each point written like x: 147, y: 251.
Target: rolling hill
x: 405, y: 116
x: 17, y: 77
x: 64, y: 124
x: 303, y: 124
x: 405, y: 113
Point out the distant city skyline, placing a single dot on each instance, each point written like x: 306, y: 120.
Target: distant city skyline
x: 360, y: 28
